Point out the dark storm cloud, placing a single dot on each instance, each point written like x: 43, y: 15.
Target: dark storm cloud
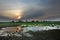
x: 47, y: 9
x: 1, y: 17
x: 4, y: 19
x: 40, y: 9
x: 33, y: 14
x: 34, y: 10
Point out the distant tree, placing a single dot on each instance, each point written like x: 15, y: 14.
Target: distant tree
x: 32, y: 21
x: 20, y: 21
x: 37, y: 21
x: 12, y: 21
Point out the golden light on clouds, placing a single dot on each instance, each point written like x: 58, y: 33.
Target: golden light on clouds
x: 13, y: 14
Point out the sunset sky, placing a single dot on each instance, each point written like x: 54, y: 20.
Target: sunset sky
x: 29, y: 9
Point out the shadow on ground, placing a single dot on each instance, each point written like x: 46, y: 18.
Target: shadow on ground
x: 38, y: 35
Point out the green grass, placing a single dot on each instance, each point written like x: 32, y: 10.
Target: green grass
x: 7, y: 24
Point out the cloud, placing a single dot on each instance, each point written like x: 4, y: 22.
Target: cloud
x: 11, y: 9
x: 31, y: 9
x: 43, y: 10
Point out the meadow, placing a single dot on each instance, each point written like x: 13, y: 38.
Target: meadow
x: 36, y: 35
x: 26, y: 24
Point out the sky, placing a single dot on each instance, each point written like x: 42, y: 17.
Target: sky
x: 29, y: 9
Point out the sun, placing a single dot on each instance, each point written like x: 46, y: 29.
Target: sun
x: 18, y: 17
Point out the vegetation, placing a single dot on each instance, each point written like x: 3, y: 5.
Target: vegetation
x: 32, y: 23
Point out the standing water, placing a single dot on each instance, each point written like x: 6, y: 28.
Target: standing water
x: 30, y: 33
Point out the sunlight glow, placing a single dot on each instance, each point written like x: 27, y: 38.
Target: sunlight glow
x: 13, y: 14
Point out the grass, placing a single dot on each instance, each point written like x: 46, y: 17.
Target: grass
x: 25, y: 24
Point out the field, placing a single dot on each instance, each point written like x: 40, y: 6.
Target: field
x: 25, y: 24
x: 28, y: 34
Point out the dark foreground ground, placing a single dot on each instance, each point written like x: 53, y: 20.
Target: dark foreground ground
x: 39, y: 35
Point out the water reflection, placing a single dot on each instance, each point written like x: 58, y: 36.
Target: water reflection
x: 19, y: 31
x: 10, y: 31
x: 40, y: 28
